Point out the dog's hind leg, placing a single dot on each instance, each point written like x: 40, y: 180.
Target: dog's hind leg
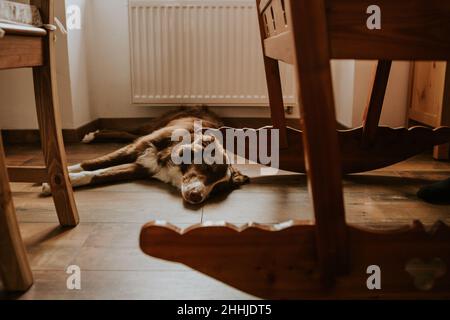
x: 124, y: 172
x: 124, y: 155
x: 110, y: 136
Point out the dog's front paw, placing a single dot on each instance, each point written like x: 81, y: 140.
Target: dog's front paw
x: 46, y: 190
x: 90, y: 137
x: 239, y: 179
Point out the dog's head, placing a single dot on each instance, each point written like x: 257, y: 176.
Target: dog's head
x: 208, y: 170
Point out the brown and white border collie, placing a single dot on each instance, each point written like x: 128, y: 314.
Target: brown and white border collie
x: 150, y: 156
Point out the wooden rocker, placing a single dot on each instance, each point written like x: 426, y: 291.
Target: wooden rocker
x: 23, y: 46
x: 330, y: 259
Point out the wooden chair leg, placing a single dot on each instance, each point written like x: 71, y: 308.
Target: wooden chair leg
x: 375, y: 104
x: 53, y: 147
x: 50, y: 127
x: 443, y: 152
x: 275, y: 90
x: 14, y: 268
x: 276, y: 98
x: 322, y: 154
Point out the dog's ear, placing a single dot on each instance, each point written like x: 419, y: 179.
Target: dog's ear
x: 164, y: 156
x: 237, y: 178
x: 162, y: 142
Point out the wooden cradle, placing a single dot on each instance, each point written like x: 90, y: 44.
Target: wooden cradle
x: 330, y: 259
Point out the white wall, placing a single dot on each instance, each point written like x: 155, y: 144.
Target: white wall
x: 352, y: 81
x: 397, y: 95
x: 79, y: 66
x: 17, y: 106
x: 110, y: 67
x: 109, y: 61
x: 343, y: 73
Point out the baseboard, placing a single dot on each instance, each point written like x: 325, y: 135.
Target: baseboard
x: 76, y: 135
x: 12, y: 137
x: 20, y: 137
x: 32, y: 136
x: 132, y: 123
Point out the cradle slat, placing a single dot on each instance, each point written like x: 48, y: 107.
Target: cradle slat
x: 278, y: 39
x: 280, y: 16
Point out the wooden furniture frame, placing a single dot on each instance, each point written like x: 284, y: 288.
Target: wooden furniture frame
x: 20, y: 47
x: 429, y: 98
x: 330, y: 259
x: 14, y: 268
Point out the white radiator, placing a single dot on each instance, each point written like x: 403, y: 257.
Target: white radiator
x: 199, y: 52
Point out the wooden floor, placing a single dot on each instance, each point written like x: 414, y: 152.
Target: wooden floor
x: 105, y: 244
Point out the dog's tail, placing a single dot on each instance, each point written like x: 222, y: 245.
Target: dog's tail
x: 109, y: 136
x: 201, y: 112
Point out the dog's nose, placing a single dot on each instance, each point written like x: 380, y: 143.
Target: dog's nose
x: 195, y: 197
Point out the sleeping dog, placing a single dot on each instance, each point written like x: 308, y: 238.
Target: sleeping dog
x: 150, y: 155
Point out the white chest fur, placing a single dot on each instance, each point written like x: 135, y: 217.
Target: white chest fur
x: 167, y: 174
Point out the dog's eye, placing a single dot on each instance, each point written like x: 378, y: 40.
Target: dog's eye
x: 184, y: 167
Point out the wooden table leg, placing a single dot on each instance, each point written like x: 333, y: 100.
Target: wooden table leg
x: 47, y: 106
x: 14, y: 267
x: 322, y: 154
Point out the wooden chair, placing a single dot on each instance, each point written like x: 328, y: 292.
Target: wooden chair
x: 20, y: 47
x: 330, y: 259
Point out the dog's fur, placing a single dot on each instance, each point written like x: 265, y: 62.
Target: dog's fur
x: 150, y: 155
